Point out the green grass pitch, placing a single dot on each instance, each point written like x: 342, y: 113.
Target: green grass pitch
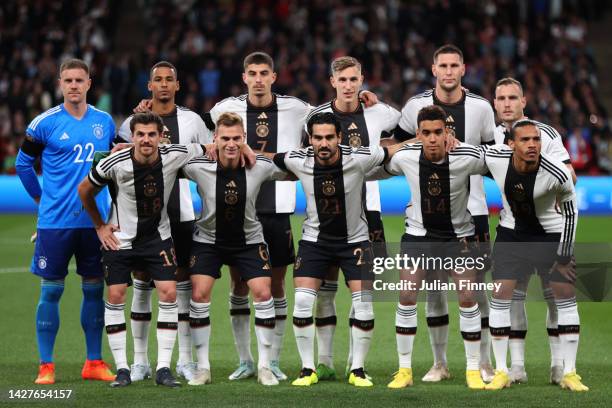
x: 18, y: 354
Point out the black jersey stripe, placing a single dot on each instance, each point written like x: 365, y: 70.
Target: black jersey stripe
x: 554, y: 170
x: 173, y: 148
x: 291, y: 97
x: 549, y: 130
x: 116, y: 159
x: 474, y: 155
x: 263, y: 158
x: 472, y: 95
x: 318, y: 109
x: 566, y: 238
x: 422, y: 95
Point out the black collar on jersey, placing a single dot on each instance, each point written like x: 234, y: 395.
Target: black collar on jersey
x: 251, y: 107
x: 137, y: 164
x: 170, y: 114
x: 438, y: 102
x: 425, y: 160
x: 339, y: 112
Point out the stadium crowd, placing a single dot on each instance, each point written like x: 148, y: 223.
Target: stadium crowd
x: 541, y: 43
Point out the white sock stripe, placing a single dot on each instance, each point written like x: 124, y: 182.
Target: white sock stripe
x: 184, y: 286
x: 500, y: 304
x: 565, y: 303
x: 239, y: 299
x: 112, y: 306
x: 469, y: 312
x: 307, y: 291
x: 142, y: 285
x: 167, y: 305
x: 362, y: 294
x: 265, y: 305
x: 199, y: 307
x: 279, y: 303
x: 406, y: 311
x: 329, y: 286
x: 519, y: 295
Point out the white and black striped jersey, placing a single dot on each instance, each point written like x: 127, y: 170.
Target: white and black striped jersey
x: 471, y: 120
x: 181, y: 126
x: 365, y: 127
x: 140, y: 193
x: 552, y: 143
x: 530, y: 200
x: 273, y: 129
x: 439, y: 191
x: 334, y: 194
x: 228, y: 200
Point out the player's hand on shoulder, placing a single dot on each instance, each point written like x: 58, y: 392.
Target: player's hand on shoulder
x: 211, y: 151
x: 121, y: 146
x: 369, y: 98
x: 451, y: 142
x: 107, y: 237
x: 248, y: 157
x: 143, y: 106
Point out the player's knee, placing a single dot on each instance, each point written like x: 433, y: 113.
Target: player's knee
x: 408, y: 297
x: 167, y: 294
x: 563, y: 290
x: 466, y: 298
x: 437, y: 304
x: 116, y: 296
x: 200, y: 296
x: 141, y: 276
x: 182, y: 274
x: 261, y: 293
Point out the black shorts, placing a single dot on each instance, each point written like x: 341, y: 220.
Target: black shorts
x: 252, y: 261
x: 182, y: 234
x: 278, y: 236
x: 315, y: 258
x: 377, y: 234
x: 517, y: 255
x: 156, y: 258
x: 440, y: 250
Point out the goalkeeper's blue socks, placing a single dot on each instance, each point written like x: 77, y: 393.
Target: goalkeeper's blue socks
x: 47, y: 317
x: 92, y: 318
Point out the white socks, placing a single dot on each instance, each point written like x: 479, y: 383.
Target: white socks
x: 141, y: 320
x: 362, y: 328
x: 485, y: 335
x: 499, y: 323
x: 183, y: 296
x: 556, y: 358
x: 518, y: 328
x: 114, y: 320
x: 405, y: 330
x: 569, y: 332
x: 325, y: 322
x: 280, y: 314
x: 199, y: 321
x: 469, y: 324
x: 167, y: 322
x: 240, y: 314
x: 437, y: 323
x: 303, y: 325
x: 264, y: 330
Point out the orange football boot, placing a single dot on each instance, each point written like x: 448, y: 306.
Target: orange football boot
x: 46, y: 374
x: 97, y: 370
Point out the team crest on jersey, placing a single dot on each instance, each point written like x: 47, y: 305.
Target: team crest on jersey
x: 150, y: 186
x: 98, y: 131
x: 231, y: 193
x: 165, y: 139
x: 518, y: 192
x: 434, y: 188
x: 329, y: 187
x: 42, y: 262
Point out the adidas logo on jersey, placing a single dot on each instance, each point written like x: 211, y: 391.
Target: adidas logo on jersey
x: 353, y: 126
x: 64, y: 136
x: 231, y: 184
x: 450, y: 119
x: 262, y: 116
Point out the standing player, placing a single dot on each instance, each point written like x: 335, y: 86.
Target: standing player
x: 335, y: 233
x: 181, y: 126
x: 66, y: 137
x: 510, y: 104
x: 438, y: 225
x: 532, y: 233
x: 361, y: 127
x: 229, y: 232
x: 471, y: 120
x: 138, y: 235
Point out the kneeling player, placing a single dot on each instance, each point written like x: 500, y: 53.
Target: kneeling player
x: 533, y: 185
x: 138, y: 234
x: 229, y: 233
x: 438, y: 224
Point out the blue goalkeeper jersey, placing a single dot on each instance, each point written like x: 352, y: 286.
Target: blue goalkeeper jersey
x: 69, y: 147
